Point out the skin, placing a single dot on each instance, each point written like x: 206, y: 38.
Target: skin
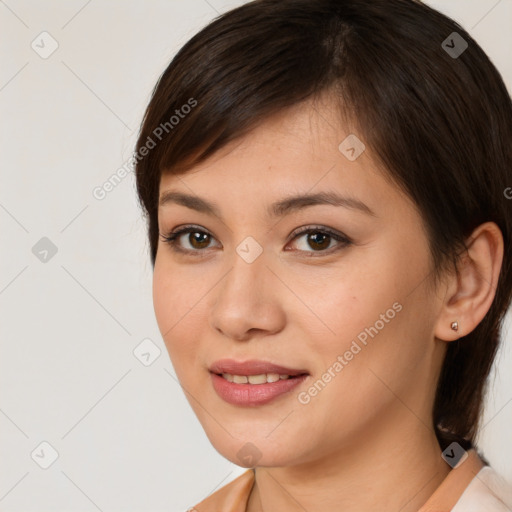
x: 370, y: 426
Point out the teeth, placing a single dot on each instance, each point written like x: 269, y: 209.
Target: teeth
x: 258, y: 379
x: 262, y: 378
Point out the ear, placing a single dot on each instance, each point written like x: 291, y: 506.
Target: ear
x: 471, y: 290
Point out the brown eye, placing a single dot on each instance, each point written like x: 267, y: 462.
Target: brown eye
x: 319, y: 240
x: 195, y: 242
x: 198, y: 239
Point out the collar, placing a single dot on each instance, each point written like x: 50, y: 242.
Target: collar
x: 233, y: 497
x: 451, y: 488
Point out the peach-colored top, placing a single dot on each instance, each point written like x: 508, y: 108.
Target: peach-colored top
x: 233, y: 497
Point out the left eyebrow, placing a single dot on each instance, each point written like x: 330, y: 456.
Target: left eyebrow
x: 278, y: 209
x: 294, y: 203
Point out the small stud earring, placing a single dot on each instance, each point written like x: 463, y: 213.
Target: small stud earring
x: 455, y: 326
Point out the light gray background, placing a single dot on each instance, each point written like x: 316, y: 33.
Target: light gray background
x: 125, y: 434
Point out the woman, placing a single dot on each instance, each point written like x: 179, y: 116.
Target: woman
x: 325, y: 188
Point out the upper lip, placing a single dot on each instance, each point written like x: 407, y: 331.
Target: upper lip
x: 251, y: 367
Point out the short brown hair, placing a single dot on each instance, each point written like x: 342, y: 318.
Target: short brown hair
x: 440, y: 124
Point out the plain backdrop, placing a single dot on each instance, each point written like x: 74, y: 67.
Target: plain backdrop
x: 75, y: 276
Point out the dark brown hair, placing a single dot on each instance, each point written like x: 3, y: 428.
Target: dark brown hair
x: 440, y: 124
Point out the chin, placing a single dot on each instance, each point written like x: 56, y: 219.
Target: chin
x: 249, y: 452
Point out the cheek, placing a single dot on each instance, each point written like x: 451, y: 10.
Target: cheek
x: 165, y: 297
x: 375, y: 309
x: 357, y: 382
x: 176, y: 293
x: 173, y: 302
x: 346, y: 303
x: 385, y: 354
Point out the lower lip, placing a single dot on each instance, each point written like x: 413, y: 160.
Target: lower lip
x: 253, y: 394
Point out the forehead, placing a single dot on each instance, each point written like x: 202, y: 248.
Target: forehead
x: 297, y: 151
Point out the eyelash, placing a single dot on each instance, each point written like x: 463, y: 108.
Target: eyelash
x: 172, y: 239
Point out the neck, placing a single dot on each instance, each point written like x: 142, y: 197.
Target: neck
x: 397, y: 470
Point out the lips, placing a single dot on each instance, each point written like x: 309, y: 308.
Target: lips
x: 253, y: 367
x: 255, y: 382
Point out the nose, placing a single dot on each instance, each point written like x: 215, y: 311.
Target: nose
x: 247, y: 301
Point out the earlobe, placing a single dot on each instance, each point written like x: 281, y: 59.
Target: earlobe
x: 471, y: 291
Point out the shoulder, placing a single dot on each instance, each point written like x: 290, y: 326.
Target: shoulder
x: 488, y: 491
x: 232, y: 497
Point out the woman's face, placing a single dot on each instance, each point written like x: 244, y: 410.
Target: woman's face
x: 356, y: 315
